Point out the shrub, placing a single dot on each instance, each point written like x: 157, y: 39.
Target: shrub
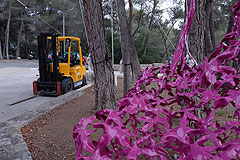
x: 147, y: 124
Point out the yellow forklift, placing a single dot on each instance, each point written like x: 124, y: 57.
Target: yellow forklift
x: 60, y: 69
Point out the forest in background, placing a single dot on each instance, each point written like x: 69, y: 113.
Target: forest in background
x: 155, y: 36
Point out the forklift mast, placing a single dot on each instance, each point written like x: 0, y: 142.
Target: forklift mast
x: 44, y: 64
x: 48, y: 83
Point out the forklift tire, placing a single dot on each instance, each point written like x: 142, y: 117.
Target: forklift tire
x: 84, y: 81
x: 67, y: 85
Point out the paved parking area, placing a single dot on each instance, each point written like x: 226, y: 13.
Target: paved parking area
x: 16, y: 79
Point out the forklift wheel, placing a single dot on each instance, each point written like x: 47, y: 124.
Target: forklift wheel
x: 84, y: 81
x: 67, y: 85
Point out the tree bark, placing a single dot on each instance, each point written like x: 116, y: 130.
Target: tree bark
x: 211, y: 27
x: 27, y: 39
x: 3, y: 53
x: 150, y: 27
x: 19, y: 37
x: 126, y: 54
x: 135, y: 64
x: 1, y: 56
x: 209, y: 35
x: 100, y: 55
x: 230, y: 23
x: 7, y: 31
x: 129, y: 54
x: 196, y: 34
x: 130, y: 2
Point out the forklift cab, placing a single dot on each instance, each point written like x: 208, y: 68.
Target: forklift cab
x: 65, y: 47
x: 69, y: 64
x: 62, y: 72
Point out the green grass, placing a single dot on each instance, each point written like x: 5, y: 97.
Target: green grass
x: 220, y: 113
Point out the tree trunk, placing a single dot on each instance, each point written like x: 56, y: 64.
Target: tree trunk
x: 145, y: 43
x: 130, y: 2
x: 211, y: 27
x: 126, y: 54
x: 230, y: 23
x: 19, y: 37
x: 196, y: 34
x: 135, y: 64
x: 7, y: 31
x: 1, y: 56
x: 27, y: 39
x: 4, y: 53
x: 129, y: 54
x: 150, y: 27
x: 209, y: 42
x: 100, y: 55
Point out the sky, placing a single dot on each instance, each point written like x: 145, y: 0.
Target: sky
x: 165, y: 14
x: 163, y: 6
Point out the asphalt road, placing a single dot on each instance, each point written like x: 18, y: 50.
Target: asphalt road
x: 16, y: 77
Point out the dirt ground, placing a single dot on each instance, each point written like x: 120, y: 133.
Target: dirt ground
x: 50, y: 136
